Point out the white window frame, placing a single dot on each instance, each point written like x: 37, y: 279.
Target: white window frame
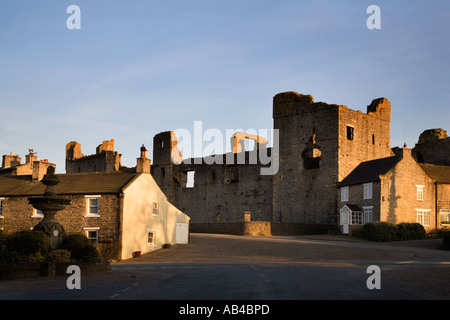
x: 88, y: 206
x: 153, y: 232
x: 423, y: 216
x: 420, y: 192
x: 444, y: 212
x: 87, y: 230
x: 155, y: 208
x: 368, y: 189
x: 356, y: 218
x: 345, y: 194
x: 2, y: 201
x: 368, y: 214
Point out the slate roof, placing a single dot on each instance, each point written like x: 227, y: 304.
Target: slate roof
x: 438, y: 173
x: 74, y: 183
x: 370, y: 171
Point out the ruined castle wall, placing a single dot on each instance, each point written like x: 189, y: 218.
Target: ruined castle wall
x: 308, y: 135
x: 315, y: 153
x: 106, y: 161
x: 363, y: 136
x: 320, y: 144
x: 221, y: 192
x: 434, y: 152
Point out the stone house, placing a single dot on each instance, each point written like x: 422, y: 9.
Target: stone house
x: 12, y: 165
x: 441, y: 178
x: 393, y: 189
x: 121, y: 213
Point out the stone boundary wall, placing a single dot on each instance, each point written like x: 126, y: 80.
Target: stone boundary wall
x: 255, y: 228
x: 262, y: 228
x: 21, y: 270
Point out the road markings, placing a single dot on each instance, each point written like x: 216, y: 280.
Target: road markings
x: 122, y: 291
x: 262, y: 275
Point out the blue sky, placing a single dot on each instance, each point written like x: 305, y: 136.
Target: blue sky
x: 136, y: 68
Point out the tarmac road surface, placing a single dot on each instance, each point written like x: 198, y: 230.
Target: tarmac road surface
x: 225, y: 267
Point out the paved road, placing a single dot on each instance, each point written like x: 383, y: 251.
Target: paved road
x: 223, y: 267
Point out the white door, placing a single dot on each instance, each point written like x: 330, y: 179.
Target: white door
x: 345, y: 229
x: 182, y: 233
x: 345, y: 219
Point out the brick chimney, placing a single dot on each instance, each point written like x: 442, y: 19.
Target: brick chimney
x: 143, y: 164
x: 30, y: 157
x: 40, y: 169
x: 11, y: 160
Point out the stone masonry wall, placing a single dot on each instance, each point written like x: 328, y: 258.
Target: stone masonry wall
x: 320, y: 144
x: 399, y: 193
x: 18, y: 215
x: 356, y: 196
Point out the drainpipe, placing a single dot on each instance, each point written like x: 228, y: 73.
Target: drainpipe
x: 119, y: 227
x: 436, y: 203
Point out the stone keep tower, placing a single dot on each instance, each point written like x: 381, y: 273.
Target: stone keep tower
x: 166, y: 158
x: 320, y: 144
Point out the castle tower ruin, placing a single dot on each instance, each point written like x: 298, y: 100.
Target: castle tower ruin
x: 320, y: 144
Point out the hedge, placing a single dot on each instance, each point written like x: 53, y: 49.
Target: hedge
x: 34, y: 246
x: 80, y: 248
x: 446, y: 239
x: 411, y: 231
x: 24, y: 246
x: 385, y: 231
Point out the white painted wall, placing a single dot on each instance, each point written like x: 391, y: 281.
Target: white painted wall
x: 138, y: 217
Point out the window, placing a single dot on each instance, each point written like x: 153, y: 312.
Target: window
x: 368, y: 214
x: 373, y: 139
x: 190, y: 179
x: 37, y: 213
x: 419, y: 192
x: 368, y: 190
x: 311, y: 158
x: 344, y: 194
x: 423, y: 217
x: 350, y: 132
x: 155, y: 208
x: 151, y: 237
x: 92, y: 206
x: 445, y: 216
x: 357, y: 217
x: 2, y: 200
x: 91, y: 234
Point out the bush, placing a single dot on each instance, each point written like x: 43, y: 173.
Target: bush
x: 385, y: 231
x: 28, y: 243
x: 380, y: 231
x: 8, y: 255
x: 446, y: 239
x: 411, y: 231
x: 80, y: 248
x: 59, y: 256
x: 89, y: 254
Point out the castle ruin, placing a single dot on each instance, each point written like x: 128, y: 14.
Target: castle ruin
x: 319, y: 144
